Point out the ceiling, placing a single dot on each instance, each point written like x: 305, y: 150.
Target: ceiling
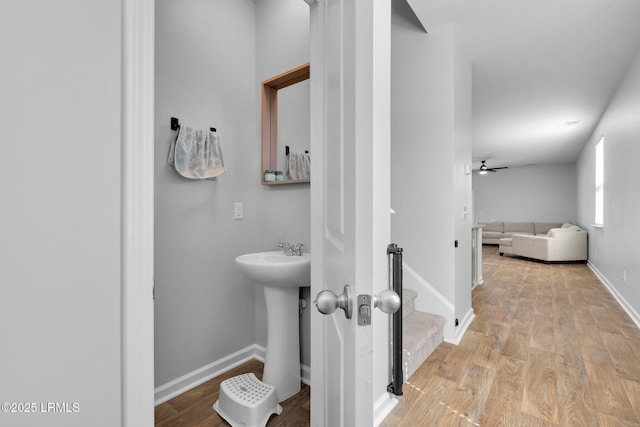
x: 537, y: 65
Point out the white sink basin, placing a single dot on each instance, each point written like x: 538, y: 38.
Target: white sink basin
x: 276, y: 269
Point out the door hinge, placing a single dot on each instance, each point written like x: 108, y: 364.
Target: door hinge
x: 455, y: 243
x: 153, y: 289
x: 457, y: 322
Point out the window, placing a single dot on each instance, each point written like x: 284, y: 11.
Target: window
x: 599, y: 217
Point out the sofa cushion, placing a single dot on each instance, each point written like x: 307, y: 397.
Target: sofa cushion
x: 519, y: 227
x: 542, y: 228
x: 554, y: 232
x: 493, y: 227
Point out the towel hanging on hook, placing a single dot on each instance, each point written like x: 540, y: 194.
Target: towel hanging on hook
x: 196, y: 153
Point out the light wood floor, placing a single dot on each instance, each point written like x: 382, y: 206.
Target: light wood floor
x: 549, y: 347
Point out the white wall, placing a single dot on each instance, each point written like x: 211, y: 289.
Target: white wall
x: 60, y: 105
x: 210, y: 60
x: 430, y: 129
x: 545, y: 193
x: 614, y: 248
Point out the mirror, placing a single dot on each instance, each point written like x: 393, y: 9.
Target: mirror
x: 292, y: 127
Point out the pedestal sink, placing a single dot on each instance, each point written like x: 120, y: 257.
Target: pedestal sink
x: 281, y: 276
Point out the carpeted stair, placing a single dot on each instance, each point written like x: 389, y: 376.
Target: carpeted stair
x: 422, y: 333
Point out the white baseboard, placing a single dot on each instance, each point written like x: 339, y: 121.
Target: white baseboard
x: 383, y: 407
x: 195, y: 378
x: 463, y: 326
x: 613, y: 291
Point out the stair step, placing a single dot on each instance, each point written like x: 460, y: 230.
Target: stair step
x: 408, y: 301
x: 422, y: 333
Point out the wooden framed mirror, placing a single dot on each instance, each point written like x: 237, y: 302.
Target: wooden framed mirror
x: 271, y: 157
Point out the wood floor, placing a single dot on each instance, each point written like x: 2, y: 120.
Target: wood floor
x: 549, y: 347
x: 194, y: 407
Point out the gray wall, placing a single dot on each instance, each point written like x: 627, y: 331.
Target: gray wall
x: 282, y: 33
x: 60, y: 109
x: 430, y: 130
x: 614, y: 247
x: 529, y: 193
x: 210, y: 60
x: 463, y: 217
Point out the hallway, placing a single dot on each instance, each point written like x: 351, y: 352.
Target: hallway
x: 549, y: 346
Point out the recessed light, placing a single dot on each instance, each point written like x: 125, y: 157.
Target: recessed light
x: 571, y: 122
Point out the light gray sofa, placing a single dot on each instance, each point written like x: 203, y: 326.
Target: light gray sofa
x: 492, y: 232
x: 568, y: 243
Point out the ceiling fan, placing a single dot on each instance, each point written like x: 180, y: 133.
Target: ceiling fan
x: 484, y: 169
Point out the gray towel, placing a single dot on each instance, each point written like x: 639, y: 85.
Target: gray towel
x: 196, y: 153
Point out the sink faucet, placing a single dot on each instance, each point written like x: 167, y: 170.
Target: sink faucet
x: 291, y: 250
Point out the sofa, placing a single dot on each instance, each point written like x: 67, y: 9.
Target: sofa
x: 561, y: 243
x: 492, y: 232
x: 568, y: 243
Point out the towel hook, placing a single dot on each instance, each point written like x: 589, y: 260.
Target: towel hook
x: 175, y: 124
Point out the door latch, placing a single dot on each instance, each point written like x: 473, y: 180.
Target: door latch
x: 387, y: 301
x: 364, y: 310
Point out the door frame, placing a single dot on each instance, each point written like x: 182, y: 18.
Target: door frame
x: 137, y: 212
x: 137, y: 201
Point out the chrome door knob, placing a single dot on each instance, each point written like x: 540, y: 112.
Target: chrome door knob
x: 327, y: 301
x: 388, y: 301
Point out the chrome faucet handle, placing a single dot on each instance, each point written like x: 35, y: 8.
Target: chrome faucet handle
x: 286, y: 248
x: 297, y: 249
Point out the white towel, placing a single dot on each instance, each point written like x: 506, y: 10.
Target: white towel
x: 196, y: 153
x: 298, y: 165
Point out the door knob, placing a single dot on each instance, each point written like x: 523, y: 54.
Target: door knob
x: 327, y: 301
x: 388, y: 301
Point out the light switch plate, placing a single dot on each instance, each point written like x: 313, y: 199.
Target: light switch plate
x: 238, y: 211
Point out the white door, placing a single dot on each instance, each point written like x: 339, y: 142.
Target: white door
x: 350, y: 84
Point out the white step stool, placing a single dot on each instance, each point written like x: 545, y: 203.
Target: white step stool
x: 245, y: 401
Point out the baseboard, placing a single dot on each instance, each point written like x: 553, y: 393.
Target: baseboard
x: 305, y: 371
x: 614, y: 292
x: 195, y: 378
x: 463, y: 326
x: 383, y: 407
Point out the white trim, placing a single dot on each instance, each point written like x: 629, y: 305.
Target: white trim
x: 195, y: 378
x: 305, y: 371
x: 138, y: 21
x: 613, y: 291
x: 462, y: 328
x: 441, y: 298
x: 383, y: 407
x: 305, y: 374
x: 430, y: 300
